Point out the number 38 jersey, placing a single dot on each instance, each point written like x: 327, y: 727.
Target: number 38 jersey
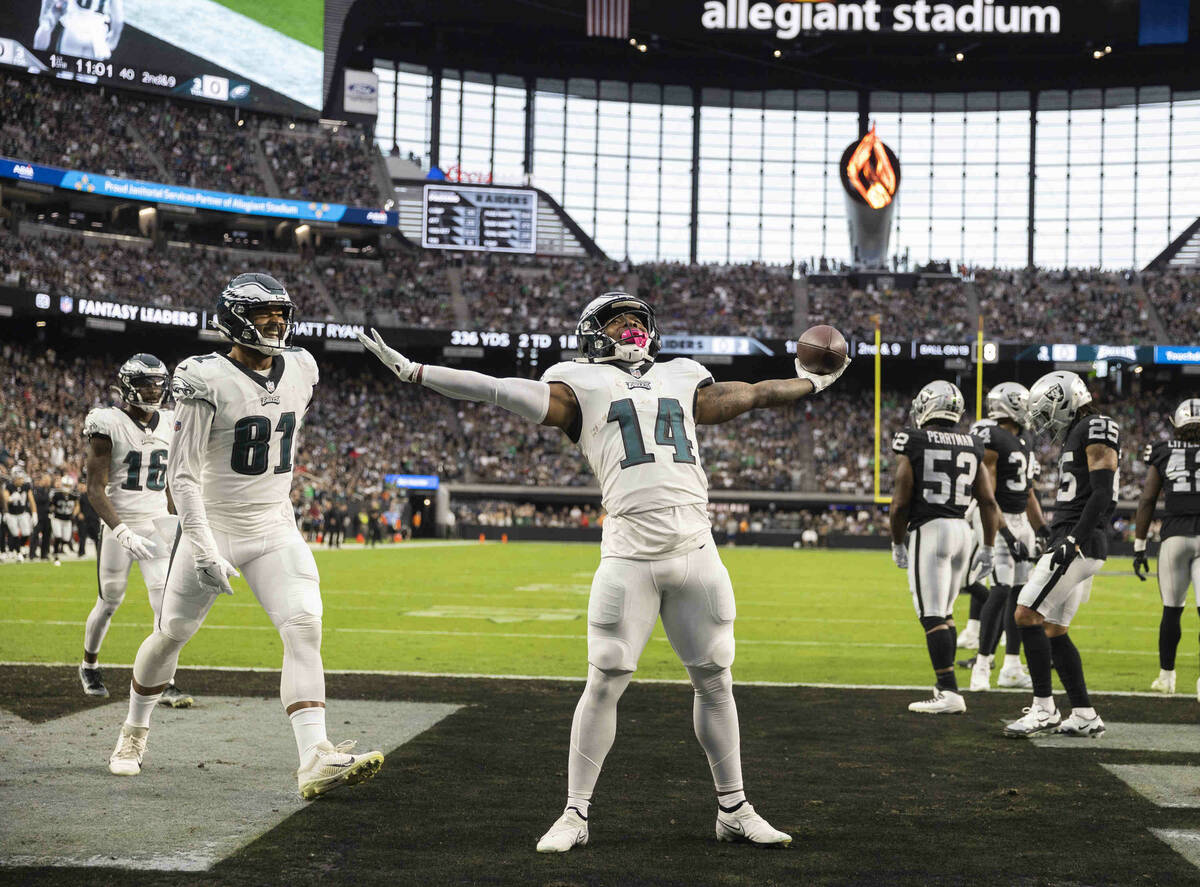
x: 944, y: 465
x: 1178, y: 464
x: 137, y: 468
x: 638, y: 432
x: 248, y: 457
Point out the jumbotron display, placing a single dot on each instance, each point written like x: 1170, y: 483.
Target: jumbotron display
x: 499, y: 220
x: 199, y: 49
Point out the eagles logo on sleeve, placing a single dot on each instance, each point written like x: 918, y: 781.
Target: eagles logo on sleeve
x: 182, y: 388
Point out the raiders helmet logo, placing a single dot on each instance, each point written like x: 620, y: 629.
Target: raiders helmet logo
x: 1056, y: 394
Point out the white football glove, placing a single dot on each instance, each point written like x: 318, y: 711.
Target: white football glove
x: 139, y: 547
x: 406, y: 369
x: 982, y: 564
x: 900, y: 555
x: 214, y: 571
x: 820, y: 383
x: 41, y: 37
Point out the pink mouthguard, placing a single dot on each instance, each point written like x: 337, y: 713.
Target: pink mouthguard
x: 634, y: 337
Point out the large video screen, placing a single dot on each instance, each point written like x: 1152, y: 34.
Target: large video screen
x: 261, y: 54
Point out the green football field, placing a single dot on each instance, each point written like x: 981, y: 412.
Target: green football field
x: 520, y: 609
x: 303, y: 20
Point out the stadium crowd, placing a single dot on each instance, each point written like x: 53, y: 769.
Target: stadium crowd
x: 934, y: 311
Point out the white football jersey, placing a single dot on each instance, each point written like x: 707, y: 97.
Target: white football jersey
x: 85, y: 25
x: 638, y: 433
x: 137, y: 469
x: 251, y: 447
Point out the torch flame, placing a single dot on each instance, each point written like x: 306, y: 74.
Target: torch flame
x: 871, y: 173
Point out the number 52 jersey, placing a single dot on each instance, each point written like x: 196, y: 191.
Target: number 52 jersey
x: 944, y: 464
x: 137, y: 469
x: 251, y: 445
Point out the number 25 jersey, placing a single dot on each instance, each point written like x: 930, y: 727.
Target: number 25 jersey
x: 137, y: 468
x: 251, y: 446
x: 944, y: 464
x: 1075, y: 481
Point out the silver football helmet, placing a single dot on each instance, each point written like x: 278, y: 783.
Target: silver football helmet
x: 1054, y: 400
x: 1187, y: 413
x: 937, y: 400
x: 978, y: 426
x: 1009, y: 400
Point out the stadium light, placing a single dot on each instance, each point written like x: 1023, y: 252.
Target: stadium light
x: 778, y: 53
x: 1097, y: 54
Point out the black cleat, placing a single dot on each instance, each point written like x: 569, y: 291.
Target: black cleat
x: 966, y: 663
x: 92, y: 684
x: 173, y: 697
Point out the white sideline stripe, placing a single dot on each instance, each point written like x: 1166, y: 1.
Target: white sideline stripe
x: 577, y: 679
x: 533, y: 636
x: 236, y: 42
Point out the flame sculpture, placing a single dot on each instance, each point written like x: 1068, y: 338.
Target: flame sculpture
x: 870, y: 171
x: 870, y: 174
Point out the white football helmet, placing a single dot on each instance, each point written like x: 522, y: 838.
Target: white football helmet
x: 595, y: 346
x: 1009, y: 400
x: 143, y: 381
x: 976, y: 427
x: 237, y: 303
x: 937, y: 400
x: 1187, y: 413
x: 1054, y: 400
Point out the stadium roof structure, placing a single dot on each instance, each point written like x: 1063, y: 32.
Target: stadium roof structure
x: 921, y: 46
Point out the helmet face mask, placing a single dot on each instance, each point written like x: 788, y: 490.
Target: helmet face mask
x: 1009, y: 400
x: 633, y: 346
x: 937, y: 400
x: 1054, y: 399
x: 143, y: 381
x: 244, y: 297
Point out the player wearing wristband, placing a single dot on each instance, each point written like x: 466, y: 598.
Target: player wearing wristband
x: 634, y: 419
x: 1175, y: 465
x: 1059, y: 403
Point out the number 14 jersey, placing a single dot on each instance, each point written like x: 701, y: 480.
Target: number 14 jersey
x: 944, y: 464
x: 248, y: 458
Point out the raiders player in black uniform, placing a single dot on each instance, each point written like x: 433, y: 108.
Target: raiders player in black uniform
x: 20, y: 511
x: 1175, y: 462
x: 1060, y: 403
x: 937, y: 472
x: 1009, y: 460
x: 64, y: 509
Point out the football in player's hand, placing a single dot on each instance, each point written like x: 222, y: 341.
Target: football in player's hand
x: 821, y: 349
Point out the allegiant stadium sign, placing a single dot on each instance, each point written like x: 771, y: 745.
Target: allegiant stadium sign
x: 791, y: 18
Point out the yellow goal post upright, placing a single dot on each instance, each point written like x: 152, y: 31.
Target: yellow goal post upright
x: 880, y: 499
x: 979, y: 372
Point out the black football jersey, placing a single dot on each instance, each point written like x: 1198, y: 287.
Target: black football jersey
x: 1014, y: 466
x: 62, y: 504
x: 18, y: 496
x: 944, y: 464
x: 1075, y: 484
x: 1178, y: 464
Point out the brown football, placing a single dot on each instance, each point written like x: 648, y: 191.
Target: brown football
x: 821, y: 349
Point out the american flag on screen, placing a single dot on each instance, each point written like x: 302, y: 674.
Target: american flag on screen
x: 608, y: 18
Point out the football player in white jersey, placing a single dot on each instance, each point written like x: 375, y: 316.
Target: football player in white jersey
x: 91, y: 29
x: 127, y: 454
x: 236, y: 420
x: 635, y: 421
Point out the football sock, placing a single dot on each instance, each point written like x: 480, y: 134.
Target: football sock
x: 1012, y: 631
x: 715, y: 719
x: 1169, y: 633
x: 731, y: 801
x: 940, y: 642
x: 991, y: 620
x: 1037, y: 655
x: 979, y: 596
x: 1070, y: 670
x: 1045, y: 703
x: 580, y: 804
x: 308, y: 724
x: 1011, y: 661
x: 593, y: 729
x: 140, y: 707
x: 95, y: 663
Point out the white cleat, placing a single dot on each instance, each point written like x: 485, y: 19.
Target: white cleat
x: 1164, y: 683
x: 1016, y: 677
x: 1035, y: 720
x: 1078, y: 725
x: 981, y: 674
x: 328, y: 767
x: 126, y: 759
x: 944, y: 702
x: 969, y: 639
x: 743, y: 824
x: 570, y: 830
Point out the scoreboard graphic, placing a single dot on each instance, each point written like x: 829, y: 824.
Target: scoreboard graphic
x: 499, y: 220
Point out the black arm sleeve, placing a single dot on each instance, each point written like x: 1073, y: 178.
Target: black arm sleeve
x: 1102, y: 484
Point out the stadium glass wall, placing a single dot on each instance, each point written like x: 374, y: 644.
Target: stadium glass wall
x: 1115, y: 171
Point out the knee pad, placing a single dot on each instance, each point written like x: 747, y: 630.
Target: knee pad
x: 711, y: 683
x: 156, y: 659
x: 720, y: 653
x: 112, y: 591
x: 609, y: 655
x: 929, y: 623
